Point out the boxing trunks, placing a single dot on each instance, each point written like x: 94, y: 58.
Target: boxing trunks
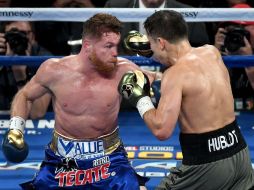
x: 215, y: 160
x: 100, y: 163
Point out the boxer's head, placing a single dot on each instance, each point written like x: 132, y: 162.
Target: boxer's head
x: 174, y: 30
x: 174, y: 26
x: 101, y: 34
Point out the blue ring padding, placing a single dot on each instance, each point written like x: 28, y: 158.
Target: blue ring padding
x: 230, y: 61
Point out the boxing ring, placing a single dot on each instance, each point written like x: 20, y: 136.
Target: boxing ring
x: 149, y: 156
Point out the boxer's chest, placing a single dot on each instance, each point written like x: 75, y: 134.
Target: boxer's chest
x: 85, y: 94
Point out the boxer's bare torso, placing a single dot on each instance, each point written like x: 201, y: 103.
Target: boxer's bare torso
x: 195, y: 90
x: 207, y: 103
x: 86, y: 103
x: 91, y: 103
x: 83, y: 88
x: 202, y: 78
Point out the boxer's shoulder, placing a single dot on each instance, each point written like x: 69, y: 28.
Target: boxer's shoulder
x: 126, y: 65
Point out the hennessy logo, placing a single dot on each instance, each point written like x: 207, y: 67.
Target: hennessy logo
x: 127, y: 90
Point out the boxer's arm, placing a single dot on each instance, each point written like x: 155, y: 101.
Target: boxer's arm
x: 130, y: 66
x: 14, y: 146
x: 153, y: 75
x: 162, y: 121
x: 33, y: 90
x: 40, y: 106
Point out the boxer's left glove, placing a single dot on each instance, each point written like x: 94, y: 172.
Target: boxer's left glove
x: 138, y: 43
x: 135, y: 87
x: 14, y: 146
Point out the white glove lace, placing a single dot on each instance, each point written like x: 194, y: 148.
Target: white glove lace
x: 144, y: 104
x: 18, y: 123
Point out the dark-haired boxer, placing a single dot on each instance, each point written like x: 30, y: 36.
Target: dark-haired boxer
x: 195, y: 90
x: 86, y: 151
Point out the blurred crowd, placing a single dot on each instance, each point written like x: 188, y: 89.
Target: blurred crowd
x: 54, y: 38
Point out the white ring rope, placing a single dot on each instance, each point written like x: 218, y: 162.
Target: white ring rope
x: 124, y: 14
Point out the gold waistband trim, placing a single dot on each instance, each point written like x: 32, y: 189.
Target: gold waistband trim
x: 111, y: 141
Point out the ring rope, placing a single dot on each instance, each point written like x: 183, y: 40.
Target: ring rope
x: 35, y: 61
x: 124, y: 14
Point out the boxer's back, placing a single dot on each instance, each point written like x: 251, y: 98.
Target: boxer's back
x: 207, y: 98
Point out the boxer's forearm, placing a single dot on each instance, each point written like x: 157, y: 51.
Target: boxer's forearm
x: 154, y: 121
x: 40, y: 106
x: 14, y: 146
x: 21, y: 105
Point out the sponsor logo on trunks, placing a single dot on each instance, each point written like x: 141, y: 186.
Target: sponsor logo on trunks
x: 68, y: 164
x: 77, y: 177
x: 101, y: 161
x: 223, y: 141
x: 80, y: 150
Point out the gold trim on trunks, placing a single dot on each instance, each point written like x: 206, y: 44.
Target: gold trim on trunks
x: 111, y: 141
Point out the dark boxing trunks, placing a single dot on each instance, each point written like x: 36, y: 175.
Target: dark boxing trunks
x: 211, y: 146
x: 215, y: 160
x: 81, y: 164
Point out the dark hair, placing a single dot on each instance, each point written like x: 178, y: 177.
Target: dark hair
x: 167, y: 24
x: 100, y: 23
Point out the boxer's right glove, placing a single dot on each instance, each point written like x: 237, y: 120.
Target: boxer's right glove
x: 135, y: 87
x: 14, y: 147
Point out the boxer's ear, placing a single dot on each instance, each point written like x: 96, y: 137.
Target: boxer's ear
x: 87, y: 44
x: 162, y: 43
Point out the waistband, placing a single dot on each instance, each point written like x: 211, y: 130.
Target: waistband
x: 211, y: 146
x: 85, y: 148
